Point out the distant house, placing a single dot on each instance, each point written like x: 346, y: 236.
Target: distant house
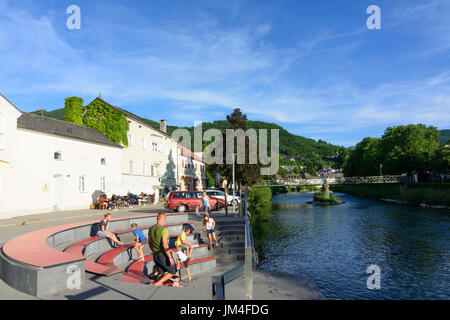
x: 292, y: 177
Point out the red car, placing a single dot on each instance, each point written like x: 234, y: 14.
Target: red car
x: 189, y: 201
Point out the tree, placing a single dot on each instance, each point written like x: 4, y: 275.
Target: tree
x: 441, y: 161
x: 365, y: 159
x: 73, y: 110
x: 245, y: 174
x: 409, y: 148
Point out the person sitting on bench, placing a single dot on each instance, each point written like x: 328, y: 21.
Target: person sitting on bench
x: 183, y: 243
x: 103, y: 232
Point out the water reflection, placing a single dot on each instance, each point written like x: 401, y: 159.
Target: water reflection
x: 334, y: 245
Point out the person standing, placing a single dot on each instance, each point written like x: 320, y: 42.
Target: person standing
x: 206, y: 205
x: 158, y: 240
x: 210, y: 225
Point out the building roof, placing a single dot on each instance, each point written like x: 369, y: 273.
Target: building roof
x: 62, y: 128
x: 133, y: 116
x: 188, y: 153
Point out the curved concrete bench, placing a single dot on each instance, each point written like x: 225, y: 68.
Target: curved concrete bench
x: 123, y: 255
x: 137, y: 272
x: 103, y: 266
x: 32, y: 264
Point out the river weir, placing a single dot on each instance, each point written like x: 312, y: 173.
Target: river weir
x: 335, y: 246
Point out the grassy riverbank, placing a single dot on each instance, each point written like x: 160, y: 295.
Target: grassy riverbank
x: 259, y: 205
x: 431, y: 194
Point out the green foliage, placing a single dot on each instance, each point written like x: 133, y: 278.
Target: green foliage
x: 321, y: 197
x: 365, y: 159
x: 259, y: 201
x: 114, y: 124
x: 444, y: 137
x: 246, y: 173
x: 400, y: 150
x: 73, y: 110
x: 416, y: 193
x: 209, y: 178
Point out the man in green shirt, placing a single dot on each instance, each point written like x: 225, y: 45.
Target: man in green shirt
x: 158, y: 240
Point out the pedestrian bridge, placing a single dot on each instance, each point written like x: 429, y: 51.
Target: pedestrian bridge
x: 316, y: 181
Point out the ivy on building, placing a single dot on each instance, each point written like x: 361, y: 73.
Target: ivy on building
x: 74, y: 110
x: 99, y: 116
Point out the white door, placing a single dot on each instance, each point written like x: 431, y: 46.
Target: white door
x: 58, y: 192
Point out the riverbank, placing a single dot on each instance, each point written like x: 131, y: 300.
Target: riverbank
x: 426, y: 195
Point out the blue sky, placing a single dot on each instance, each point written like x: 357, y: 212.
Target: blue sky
x: 310, y: 66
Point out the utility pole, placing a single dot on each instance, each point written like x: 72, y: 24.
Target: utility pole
x: 234, y: 212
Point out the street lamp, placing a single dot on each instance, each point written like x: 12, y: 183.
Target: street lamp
x: 381, y: 169
x: 233, y: 202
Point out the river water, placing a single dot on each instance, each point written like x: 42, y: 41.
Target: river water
x: 333, y: 246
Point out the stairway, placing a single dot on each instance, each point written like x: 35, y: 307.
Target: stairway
x: 230, y: 234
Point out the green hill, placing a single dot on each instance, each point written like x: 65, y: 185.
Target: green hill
x: 55, y: 114
x: 290, y: 145
x: 445, y: 137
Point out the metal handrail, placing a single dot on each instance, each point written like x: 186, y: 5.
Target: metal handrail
x: 246, y: 269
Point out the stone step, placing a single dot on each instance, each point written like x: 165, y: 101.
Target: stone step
x: 230, y: 251
x: 228, y: 239
x: 229, y: 221
x: 226, y: 233
x: 126, y: 257
x: 224, y: 258
x: 230, y: 227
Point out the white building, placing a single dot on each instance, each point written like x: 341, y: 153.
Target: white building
x: 149, y: 163
x: 48, y: 164
x: 191, y: 170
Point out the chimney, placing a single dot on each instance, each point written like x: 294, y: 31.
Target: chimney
x: 163, y: 125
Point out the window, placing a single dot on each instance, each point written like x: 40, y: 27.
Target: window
x: 2, y: 132
x: 130, y: 140
x: 144, y: 169
x: 82, y: 184
x: 143, y: 144
x: 103, y: 184
x: 103, y: 162
x: 131, y: 166
x: 179, y: 195
x: 154, y: 146
x: 57, y: 156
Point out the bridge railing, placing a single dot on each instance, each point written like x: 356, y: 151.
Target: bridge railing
x: 332, y: 181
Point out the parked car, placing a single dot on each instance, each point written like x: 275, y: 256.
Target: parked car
x: 182, y: 201
x: 221, y: 195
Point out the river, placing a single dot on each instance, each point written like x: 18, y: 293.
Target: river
x: 333, y: 246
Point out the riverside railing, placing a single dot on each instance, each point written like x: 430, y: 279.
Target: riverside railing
x: 246, y: 269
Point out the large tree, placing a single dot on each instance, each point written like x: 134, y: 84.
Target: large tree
x: 409, y: 148
x: 245, y: 174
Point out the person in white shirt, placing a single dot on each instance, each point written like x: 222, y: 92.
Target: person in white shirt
x: 180, y: 258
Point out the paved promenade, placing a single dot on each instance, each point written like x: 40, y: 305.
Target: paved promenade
x: 266, y: 285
